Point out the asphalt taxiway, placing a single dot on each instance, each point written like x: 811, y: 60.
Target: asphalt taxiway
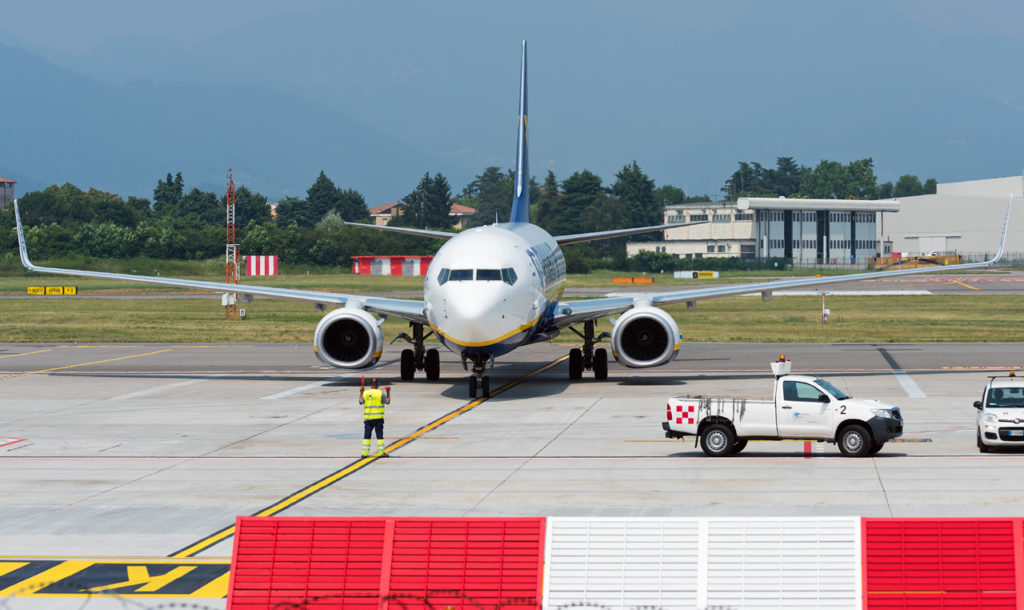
x: 152, y: 450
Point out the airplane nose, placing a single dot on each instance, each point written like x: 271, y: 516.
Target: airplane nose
x: 475, y: 318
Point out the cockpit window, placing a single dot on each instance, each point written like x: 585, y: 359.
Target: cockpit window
x: 488, y: 275
x: 508, y: 275
x: 461, y: 275
x: 443, y: 276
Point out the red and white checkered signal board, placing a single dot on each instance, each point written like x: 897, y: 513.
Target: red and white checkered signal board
x: 261, y: 265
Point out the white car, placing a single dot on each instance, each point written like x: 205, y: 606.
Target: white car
x: 1001, y: 413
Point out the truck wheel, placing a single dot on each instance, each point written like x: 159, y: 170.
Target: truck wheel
x: 854, y: 441
x: 717, y: 440
x: 982, y: 447
x: 738, y: 446
x: 876, y: 448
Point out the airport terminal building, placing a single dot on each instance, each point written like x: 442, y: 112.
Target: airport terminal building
x: 963, y: 218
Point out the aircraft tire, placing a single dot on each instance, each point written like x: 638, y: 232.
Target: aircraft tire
x: 408, y: 366
x: 600, y: 364
x: 432, y: 366
x: 472, y: 386
x: 575, y: 364
x: 485, y: 387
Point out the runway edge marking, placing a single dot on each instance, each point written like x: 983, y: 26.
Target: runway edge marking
x: 317, y: 486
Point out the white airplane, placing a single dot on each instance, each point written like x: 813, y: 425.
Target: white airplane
x: 494, y: 288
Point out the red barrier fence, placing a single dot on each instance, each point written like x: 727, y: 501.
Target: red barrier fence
x: 943, y: 563
x: 371, y: 563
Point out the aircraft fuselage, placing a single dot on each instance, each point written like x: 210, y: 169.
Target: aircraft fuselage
x: 494, y: 288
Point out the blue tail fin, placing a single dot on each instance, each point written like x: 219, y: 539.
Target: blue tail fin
x: 521, y: 194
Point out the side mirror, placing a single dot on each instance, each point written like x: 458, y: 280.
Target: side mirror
x: 977, y: 405
x: 824, y: 398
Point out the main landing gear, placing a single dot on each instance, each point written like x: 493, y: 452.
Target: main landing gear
x: 478, y: 379
x: 418, y: 358
x: 588, y: 358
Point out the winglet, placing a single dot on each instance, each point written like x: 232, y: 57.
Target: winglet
x: 1006, y: 229
x: 21, y: 239
x: 521, y: 196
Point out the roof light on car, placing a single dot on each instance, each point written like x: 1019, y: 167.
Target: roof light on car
x: 1012, y: 374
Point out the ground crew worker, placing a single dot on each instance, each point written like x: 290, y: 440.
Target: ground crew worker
x: 373, y: 401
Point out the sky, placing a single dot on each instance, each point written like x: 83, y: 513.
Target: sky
x: 377, y: 93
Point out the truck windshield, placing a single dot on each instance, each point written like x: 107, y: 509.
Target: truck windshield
x: 831, y: 389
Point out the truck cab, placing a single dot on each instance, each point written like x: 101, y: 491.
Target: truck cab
x: 1001, y: 413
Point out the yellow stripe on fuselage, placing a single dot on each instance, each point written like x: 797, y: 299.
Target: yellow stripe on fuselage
x: 511, y: 333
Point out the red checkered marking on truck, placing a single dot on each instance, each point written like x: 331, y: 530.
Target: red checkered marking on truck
x: 688, y: 415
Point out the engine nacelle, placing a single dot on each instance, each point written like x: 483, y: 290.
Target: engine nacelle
x: 644, y: 336
x: 348, y: 339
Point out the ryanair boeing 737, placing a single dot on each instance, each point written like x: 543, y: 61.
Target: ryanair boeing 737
x: 494, y: 288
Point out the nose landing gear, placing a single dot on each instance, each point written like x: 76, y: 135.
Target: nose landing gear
x: 419, y: 358
x: 478, y: 379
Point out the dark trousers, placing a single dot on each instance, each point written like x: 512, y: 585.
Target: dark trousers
x: 370, y: 425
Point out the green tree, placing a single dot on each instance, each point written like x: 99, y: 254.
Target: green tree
x: 429, y: 205
x: 294, y: 210
x: 249, y: 207
x: 908, y: 186
x: 579, y: 191
x: 885, y: 190
x: 636, y: 191
x: 322, y: 197
x: 828, y: 180
x: 204, y: 205
x: 546, y: 202
x: 490, y: 193
x: 168, y: 194
x: 930, y: 187
x: 352, y: 206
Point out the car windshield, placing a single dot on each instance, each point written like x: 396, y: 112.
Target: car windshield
x: 1006, y: 397
x: 831, y: 389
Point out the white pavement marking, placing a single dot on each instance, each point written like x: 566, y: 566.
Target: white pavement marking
x: 308, y: 386
x: 911, y: 388
x: 161, y: 388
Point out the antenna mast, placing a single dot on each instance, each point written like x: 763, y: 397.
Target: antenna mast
x: 231, y: 252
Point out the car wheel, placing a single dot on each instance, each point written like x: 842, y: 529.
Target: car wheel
x: 854, y: 441
x: 982, y: 447
x: 876, y: 448
x: 717, y: 440
x: 739, y: 445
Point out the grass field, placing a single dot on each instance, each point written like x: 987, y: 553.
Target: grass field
x: 873, y: 319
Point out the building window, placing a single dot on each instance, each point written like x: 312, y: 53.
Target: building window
x: 711, y: 248
x: 721, y: 218
x: 698, y: 217
x: 742, y: 217
x: 721, y: 248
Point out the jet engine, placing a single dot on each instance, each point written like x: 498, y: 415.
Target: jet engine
x: 644, y: 336
x: 348, y: 339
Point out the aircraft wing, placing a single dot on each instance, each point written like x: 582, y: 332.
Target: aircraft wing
x: 580, y: 237
x: 400, y: 308
x: 406, y: 230
x: 573, y: 312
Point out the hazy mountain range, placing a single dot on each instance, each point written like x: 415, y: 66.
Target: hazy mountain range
x: 378, y: 93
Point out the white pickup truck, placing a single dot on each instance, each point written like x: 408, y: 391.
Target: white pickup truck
x: 1001, y: 413
x: 805, y: 407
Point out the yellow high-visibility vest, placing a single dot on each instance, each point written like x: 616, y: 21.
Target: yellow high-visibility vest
x: 373, y: 404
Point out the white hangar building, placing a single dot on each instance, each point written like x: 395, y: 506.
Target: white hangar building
x: 960, y: 218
